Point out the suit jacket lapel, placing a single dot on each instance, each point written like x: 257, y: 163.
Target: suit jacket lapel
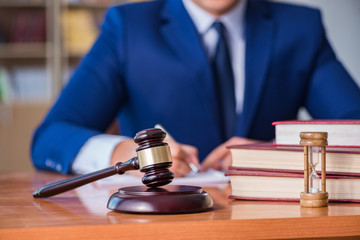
x: 259, y: 35
x: 182, y: 37
x: 180, y: 33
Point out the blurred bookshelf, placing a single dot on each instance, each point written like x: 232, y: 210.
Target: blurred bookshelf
x: 41, y: 42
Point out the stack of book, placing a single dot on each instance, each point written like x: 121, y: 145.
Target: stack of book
x: 272, y: 171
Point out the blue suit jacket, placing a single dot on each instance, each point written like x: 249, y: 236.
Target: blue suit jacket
x: 148, y: 66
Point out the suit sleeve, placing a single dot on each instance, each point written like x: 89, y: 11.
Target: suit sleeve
x: 332, y: 92
x: 87, y: 105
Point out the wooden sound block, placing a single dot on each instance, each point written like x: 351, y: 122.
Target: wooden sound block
x: 164, y: 200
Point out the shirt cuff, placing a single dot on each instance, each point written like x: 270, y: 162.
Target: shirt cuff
x: 96, y: 153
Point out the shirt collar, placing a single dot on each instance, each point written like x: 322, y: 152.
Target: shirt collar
x: 233, y: 20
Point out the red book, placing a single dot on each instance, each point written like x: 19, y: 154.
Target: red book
x: 284, y: 186
x: 340, y: 132
x: 268, y: 157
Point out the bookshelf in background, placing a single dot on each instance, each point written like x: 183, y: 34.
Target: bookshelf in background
x: 48, y: 36
x: 23, y: 50
x: 25, y: 77
x: 35, y: 63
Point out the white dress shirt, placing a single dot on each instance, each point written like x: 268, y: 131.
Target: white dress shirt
x: 97, y: 151
x: 234, y: 22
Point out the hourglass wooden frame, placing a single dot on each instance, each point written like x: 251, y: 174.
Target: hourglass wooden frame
x: 310, y: 140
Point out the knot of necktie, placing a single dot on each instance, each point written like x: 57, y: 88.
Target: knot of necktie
x: 220, y: 28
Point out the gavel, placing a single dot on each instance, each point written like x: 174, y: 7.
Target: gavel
x: 153, y: 158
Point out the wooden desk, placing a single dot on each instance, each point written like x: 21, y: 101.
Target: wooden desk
x: 82, y: 214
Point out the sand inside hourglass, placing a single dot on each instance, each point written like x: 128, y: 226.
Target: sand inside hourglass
x: 314, y: 179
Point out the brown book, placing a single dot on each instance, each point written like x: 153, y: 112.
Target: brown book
x: 268, y: 157
x: 285, y: 186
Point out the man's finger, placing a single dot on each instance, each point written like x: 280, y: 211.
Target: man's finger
x: 180, y: 168
x: 214, y: 158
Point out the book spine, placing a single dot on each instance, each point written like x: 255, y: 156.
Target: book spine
x: 329, y: 146
x: 290, y: 171
x: 290, y: 199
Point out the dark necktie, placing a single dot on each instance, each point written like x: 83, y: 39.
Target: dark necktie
x: 224, y: 83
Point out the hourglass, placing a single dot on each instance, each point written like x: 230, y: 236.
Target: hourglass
x: 314, y: 152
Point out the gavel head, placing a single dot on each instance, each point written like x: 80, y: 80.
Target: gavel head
x: 154, y: 157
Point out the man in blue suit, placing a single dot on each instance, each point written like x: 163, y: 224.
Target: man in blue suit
x: 152, y: 64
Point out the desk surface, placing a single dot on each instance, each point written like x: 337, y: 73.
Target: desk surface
x: 82, y: 214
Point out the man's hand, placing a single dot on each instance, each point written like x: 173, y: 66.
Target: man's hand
x: 220, y: 157
x: 181, y: 154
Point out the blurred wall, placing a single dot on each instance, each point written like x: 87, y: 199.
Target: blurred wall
x: 342, y: 22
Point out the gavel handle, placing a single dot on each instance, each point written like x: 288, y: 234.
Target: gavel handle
x: 71, y: 183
